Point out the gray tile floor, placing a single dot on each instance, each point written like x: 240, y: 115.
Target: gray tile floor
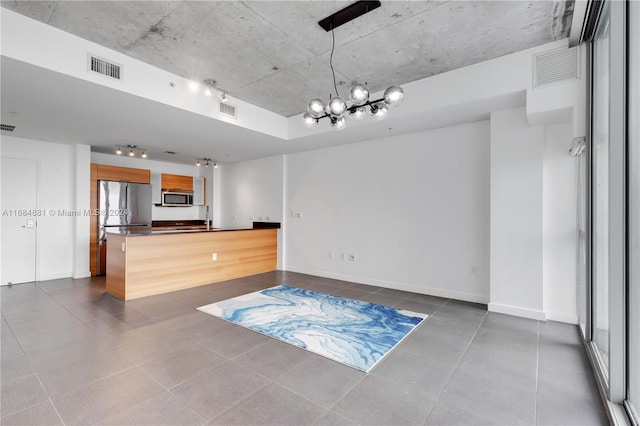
x: 74, y: 355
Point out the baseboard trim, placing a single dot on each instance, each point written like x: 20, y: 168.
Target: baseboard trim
x: 562, y: 317
x: 449, y: 294
x: 54, y: 276
x: 81, y: 274
x: 516, y: 311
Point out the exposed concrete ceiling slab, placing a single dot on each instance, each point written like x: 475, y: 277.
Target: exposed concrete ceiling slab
x: 274, y: 55
x: 225, y: 41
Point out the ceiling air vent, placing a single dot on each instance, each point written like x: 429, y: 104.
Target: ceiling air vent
x: 228, y: 110
x: 104, y: 67
x: 556, y: 65
x: 7, y: 127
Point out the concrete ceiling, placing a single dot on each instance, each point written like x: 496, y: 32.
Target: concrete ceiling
x: 274, y: 55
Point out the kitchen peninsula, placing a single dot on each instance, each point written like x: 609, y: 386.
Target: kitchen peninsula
x: 147, y: 263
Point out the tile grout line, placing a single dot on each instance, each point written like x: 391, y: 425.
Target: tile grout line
x: 139, y: 402
x: 459, y: 362
x: 367, y: 374
x: 269, y: 382
x: 56, y: 410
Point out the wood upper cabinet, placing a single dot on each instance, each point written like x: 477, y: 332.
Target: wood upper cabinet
x: 183, y: 183
x: 123, y: 174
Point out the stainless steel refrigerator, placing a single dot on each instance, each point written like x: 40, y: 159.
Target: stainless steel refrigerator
x: 123, y: 207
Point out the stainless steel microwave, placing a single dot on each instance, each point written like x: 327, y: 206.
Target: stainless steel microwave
x: 177, y: 198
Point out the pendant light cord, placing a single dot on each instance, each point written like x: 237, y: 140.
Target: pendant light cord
x: 333, y: 46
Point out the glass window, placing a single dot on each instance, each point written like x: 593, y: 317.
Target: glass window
x: 600, y: 185
x: 633, y: 320
x: 581, y: 272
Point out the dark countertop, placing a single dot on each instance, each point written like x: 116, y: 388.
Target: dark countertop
x: 146, y: 231
x: 172, y: 223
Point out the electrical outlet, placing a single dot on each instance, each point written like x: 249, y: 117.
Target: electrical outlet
x: 214, y: 256
x: 330, y: 255
x: 124, y: 247
x: 351, y: 257
x: 298, y: 214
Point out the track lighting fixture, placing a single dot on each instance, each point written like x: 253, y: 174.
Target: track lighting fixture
x: 212, y: 86
x: 206, y: 161
x: 133, y: 149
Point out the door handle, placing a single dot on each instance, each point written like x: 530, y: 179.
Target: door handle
x: 30, y: 224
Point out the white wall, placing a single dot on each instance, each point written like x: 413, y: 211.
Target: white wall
x: 516, y: 215
x: 559, y: 220
x: 414, y: 209
x: 56, y: 186
x: 164, y: 213
x: 82, y: 178
x: 252, y: 191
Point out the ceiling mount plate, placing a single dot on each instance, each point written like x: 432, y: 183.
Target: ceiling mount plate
x: 347, y: 14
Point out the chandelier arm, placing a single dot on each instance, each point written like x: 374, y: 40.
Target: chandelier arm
x: 352, y: 108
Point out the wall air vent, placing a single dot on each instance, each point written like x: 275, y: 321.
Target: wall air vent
x: 556, y: 65
x: 228, y: 110
x: 7, y: 127
x: 104, y: 67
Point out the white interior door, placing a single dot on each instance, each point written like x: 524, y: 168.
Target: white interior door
x: 19, y: 220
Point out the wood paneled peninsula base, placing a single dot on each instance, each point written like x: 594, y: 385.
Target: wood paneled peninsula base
x: 157, y: 262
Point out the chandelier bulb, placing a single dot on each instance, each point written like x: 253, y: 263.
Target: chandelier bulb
x: 338, y: 123
x: 143, y: 154
x: 309, y: 120
x: 198, y: 163
x: 379, y: 111
x: 358, y: 113
x: 118, y: 151
x: 316, y: 108
x: 131, y: 153
x: 336, y: 107
x: 215, y: 164
x: 359, y: 94
x: 393, y: 96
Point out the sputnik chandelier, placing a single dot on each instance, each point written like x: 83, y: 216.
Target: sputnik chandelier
x: 337, y: 109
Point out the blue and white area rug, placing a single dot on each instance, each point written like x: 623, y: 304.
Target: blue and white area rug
x: 355, y: 333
